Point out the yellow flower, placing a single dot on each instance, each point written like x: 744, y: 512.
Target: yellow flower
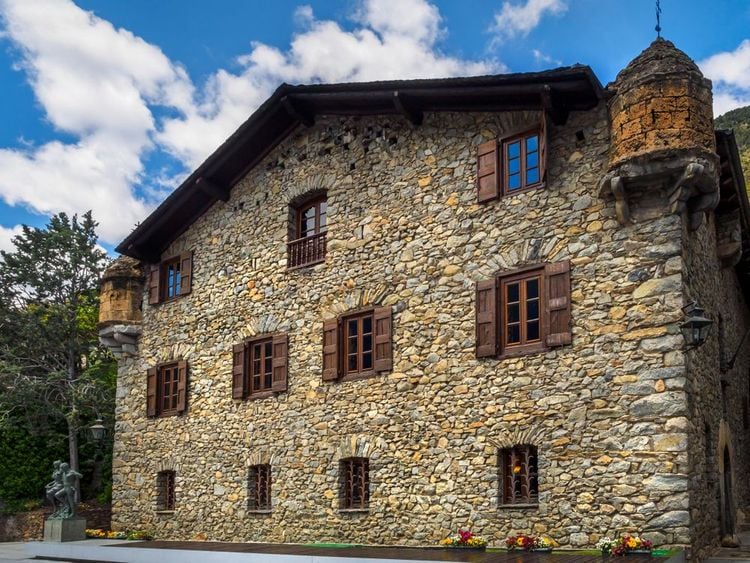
x: 632, y: 544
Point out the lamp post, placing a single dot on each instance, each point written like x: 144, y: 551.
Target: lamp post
x: 696, y: 327
x: 98, y: 431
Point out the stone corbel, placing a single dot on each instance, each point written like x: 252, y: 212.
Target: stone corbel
x: 622, y: 210
x: 121, y: 340
x: 696, y: 191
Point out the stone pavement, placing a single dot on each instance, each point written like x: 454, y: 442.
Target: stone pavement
x: 14, y: 551
x: 733, y: 554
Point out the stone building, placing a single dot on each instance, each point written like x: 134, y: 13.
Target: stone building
x: 383, y: 311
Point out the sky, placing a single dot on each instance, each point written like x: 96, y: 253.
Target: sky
x: 107, y: 105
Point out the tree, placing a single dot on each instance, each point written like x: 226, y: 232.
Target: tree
x: 50, y: 359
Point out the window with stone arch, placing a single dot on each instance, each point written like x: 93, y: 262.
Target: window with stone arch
x: 354, y: 493
x: 519, y: 475
x: 308, y: 225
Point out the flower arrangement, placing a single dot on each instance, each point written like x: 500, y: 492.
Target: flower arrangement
x: 528, y: 543
x: 112, y: 535
x: 624, y: 544
x: 465, y: 539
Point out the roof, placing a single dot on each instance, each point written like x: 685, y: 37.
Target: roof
x: 558, y: 91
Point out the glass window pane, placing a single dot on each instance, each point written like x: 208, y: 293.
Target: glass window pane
x: 366, y: 325
x: 513, y: 313
x: 532, y: 288
x: 367, y: 360
x: 353, y: 345
x: 512, y: 292
x: 256, y: 382
x: 268, y: 381
x: 532, y: 309
x: 532, y: 143
x: 353, y: 363
x: 514, y: 334
x: 514, y: 166
x: 514, y: 182
x: 367, y: 343
x: 532, y: 330
x: 514, y: 149
x: 532, y: 160
x: 323, y: 206
x: 532, y: 175
x: 352, y: 324
x: 269, y: 348
x: 268, y: 365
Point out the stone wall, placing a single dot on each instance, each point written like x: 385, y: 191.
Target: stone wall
x: 716, y: 396
x: 608, y: 413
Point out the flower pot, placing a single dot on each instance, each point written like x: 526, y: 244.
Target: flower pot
x: 542, y: 549
x: 638, y: 552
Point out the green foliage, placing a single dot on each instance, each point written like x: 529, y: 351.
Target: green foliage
x: 739, y: 121
x: 55, y: 379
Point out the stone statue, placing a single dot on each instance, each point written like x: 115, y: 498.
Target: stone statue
x: 62, y: 489
x: 55, y: 485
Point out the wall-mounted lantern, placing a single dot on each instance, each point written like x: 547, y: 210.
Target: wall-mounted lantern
x: 696, y: 327
x: 98, y: 430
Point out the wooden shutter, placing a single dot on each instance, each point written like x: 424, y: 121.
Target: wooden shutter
x: 488, y: 178
x: 543, y: 143
x: 486, y: 318
x: 558, y: 330
x: 154, y: 277
x: 182, y: 377
x: 151, y: 377
x: 280, y: 355
x: 239, y: 389
x: 186, y: 273
x: 330, y: 350
x: 383, y: 339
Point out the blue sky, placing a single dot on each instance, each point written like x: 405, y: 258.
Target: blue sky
x: 107, y: 105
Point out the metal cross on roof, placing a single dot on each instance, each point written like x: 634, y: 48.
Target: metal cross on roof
x: 658, y: 18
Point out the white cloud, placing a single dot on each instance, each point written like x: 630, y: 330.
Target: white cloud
x: 542, y: 58
x: 730, y: 73
x: 519, y: 19
x: 394, y: 39
x: 102, y: 85
x: 6, y: 237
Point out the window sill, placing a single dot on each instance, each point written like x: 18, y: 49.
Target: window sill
x: 165, y: 512
x: 261, y: 395
x: 358, y: 376
x: 260, y: 512
x: 523, y: 351
x: 519, y: 506
x: 509, y: 193
x: 307, y: 265
x: 354, y: 510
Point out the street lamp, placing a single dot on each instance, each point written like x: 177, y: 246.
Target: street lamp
x: 696, y: 327
x: 98, y: 430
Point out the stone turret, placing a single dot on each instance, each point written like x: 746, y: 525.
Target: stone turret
x: 120, y: 306
x: 662, y: 134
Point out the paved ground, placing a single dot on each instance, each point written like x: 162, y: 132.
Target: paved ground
x: 733, y: 554
x: 13, y: 551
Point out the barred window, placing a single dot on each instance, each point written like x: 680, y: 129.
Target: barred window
x: 355, y: 483
x: 259, y: 487
x: 165, y: 490
x: 519, y: 483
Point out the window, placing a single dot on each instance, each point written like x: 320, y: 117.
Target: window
x: 165, y: 490
x: 519, y: 482
x: 307, y: 236
x: 170, y: 279
x: 259, y: 366
x: 357, y: 345
x: 513, y: 164
x: 524, y: 312
x: 355, y: 483
x: 166, y: 389
x: 259, y: 488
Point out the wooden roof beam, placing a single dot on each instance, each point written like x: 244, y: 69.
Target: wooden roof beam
x: 558, y: 115
x: 212, y: 189
x: 407, y: 109
x: 295, y: 112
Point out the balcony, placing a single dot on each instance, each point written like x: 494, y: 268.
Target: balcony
x: 306, y: 251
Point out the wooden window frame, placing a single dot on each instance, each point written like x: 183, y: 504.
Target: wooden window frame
x: 354, y: 476
x: 263, y: 390
x: 523, y: 348
x: 360, y: 373
x: 161, y: 371
x: 310, y: 249
x: 243, y: 386
x: 259, y: 486
x: 524, y: 473
x: 166, y: 497
x: 158, y: 278
x: 504, y: 144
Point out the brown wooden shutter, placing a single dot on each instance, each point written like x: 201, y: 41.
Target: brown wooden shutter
x: 186, y: 273
x: 154, y: 277
x: 280, y: 354
x: 182, y: 382
x: 558, y: 330
x: 543, y: 143
x: 239, y: 389
x: 382, y: 320
x: 151, y: 377
x: 330, y: 350
x: 488, y: 177
x: 486, y: 318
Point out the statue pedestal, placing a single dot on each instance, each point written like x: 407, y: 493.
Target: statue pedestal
x: 67, y: 529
